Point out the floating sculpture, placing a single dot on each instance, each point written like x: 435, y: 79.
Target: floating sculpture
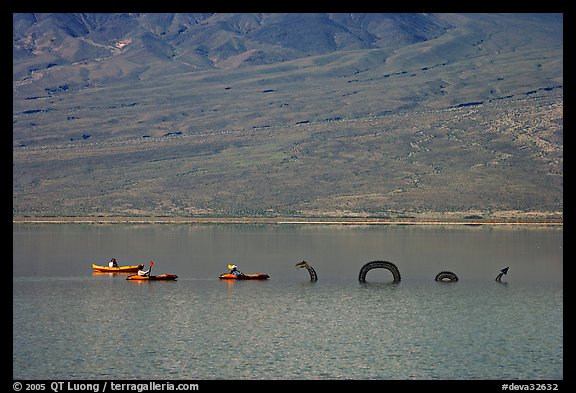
x: 379, y: 264
x: 502, y: 272
x: 313, y: 275
x: 446, y: 276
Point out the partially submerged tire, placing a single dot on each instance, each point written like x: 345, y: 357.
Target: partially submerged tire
x: 446, y: 277
x: 379, y: 264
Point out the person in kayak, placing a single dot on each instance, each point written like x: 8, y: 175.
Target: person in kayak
x: 142, y: 272
x: 113, y: 263
x: 234, y: 270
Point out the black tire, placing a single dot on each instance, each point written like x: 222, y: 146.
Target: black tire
x: 446, y: 276
x: 379, y: 264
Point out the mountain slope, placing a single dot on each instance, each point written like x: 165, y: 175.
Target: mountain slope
x: 204, y: 41
x: 286, y: 114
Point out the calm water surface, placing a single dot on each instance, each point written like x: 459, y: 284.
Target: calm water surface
x: 69, y: 323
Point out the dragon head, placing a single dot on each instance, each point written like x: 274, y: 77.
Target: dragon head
x: 302, y: 264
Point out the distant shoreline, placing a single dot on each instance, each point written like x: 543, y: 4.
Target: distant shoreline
x: 278, y: 221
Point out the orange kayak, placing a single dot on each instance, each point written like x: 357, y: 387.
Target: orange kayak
x: 119, y: 269
x: 257, y: 276
x: 136, y: 277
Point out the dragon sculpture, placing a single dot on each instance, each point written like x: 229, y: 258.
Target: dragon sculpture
x: 304, y: 264
x: 379, y: 264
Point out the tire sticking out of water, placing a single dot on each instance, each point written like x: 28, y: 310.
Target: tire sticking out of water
x: 446, y: 276
x: 379, y: 264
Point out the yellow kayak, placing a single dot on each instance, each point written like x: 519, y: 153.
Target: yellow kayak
x: 119, y: 269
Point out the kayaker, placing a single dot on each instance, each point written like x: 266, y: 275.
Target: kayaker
x: 142, y: 272
x: 234, y: 270
x: 113, y: 263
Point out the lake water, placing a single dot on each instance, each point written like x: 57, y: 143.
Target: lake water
x: 69, y: 323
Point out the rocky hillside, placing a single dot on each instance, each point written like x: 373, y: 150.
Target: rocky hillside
x: 286, y: 114
x: 135, y: 44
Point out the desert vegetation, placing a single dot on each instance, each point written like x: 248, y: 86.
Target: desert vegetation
x: 465, y: 122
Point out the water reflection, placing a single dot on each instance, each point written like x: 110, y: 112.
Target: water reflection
x: 66, y: 319
x: 335, y: 252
